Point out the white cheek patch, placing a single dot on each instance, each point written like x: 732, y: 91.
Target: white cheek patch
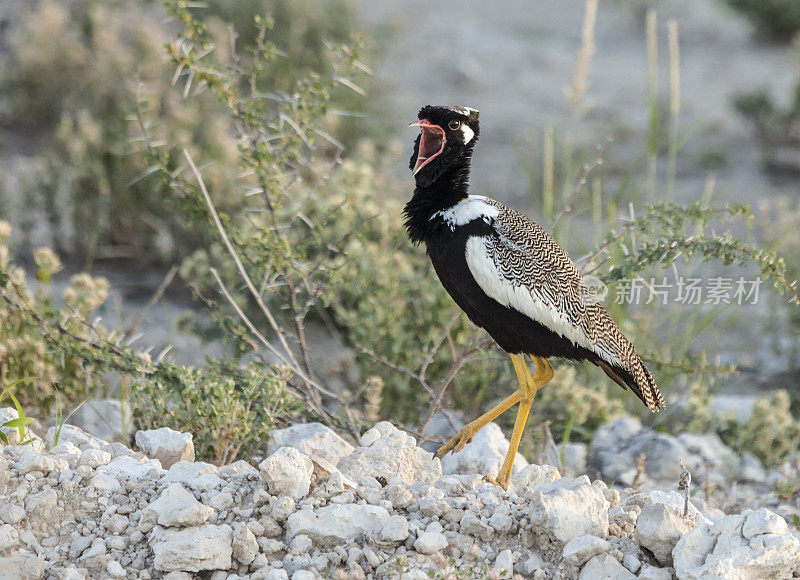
x: 468, y: 133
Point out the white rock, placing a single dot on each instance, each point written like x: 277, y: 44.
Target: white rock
x: 655, y: 573
x: 631, y: 562
x: 21, y: 565
x: 430, y: 542
x: 71, y: 573
x: 205, y: 547
x: 528, y: 479
x: 11, y: 513
x: 94, y: 458
x: 287, y: 472
x: 300, y: 544
x: 9, y: 537
x: 166, y: 445
x: 240, y: 467
x: 245, y: 545
x: 763, y: 521
x: 605, y: 567
x: 76, y: 436
x: 106, y: 419
x: 105, y: 482
x: 115, y: 569
x: 42, y: 504
x: 337, y: 524
x: 395, y: 530
x: 303, y: 575
x: 132, y: 468
x: 568, y: 508
x: 32, y: 460
x: 504, y: 563
x: 581, y: 549
x: 720, y: 550
x: 484, y: 455
x: 277, y: 574
x: 312, y: 439
x: 659, y: 527
x: 177, y: 507
x: 189, y: 471
x: 68, y: 451
x: 676, y: 502
x: 533, y: 563
x: 390, y: 452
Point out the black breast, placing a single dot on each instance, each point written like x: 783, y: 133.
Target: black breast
x: 513, y: 331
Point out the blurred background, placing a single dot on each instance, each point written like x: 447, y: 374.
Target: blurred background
x: 630, y: 128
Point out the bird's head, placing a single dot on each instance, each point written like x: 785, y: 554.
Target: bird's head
x: 447, y: 136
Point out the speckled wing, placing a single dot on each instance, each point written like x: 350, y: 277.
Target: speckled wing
x: 523, y: 267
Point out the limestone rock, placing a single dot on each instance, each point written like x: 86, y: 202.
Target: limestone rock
x: 312, y: 439
x: 31, y: 460
x: 94, y: 458
x: 204, y: 547
x: 189, y: 471
x: 385, y: 450
x: 659, y: 528
x: 177, y: 507
x: 287, y: 472
x: 9, y: 538
x: 721, y: 550
x: 337, y: 524
x: 581, y: 549
x: 605, y: 567
x: 166, y: 445
x: 245, y: 546
x: 531, y: 477
x: 568, y: 508
x: 22, y: 566
x: 430, y: 542
x: 484, y: 455
x: 127, y: 467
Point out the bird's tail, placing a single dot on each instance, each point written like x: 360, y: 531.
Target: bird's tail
x: 638, y: 378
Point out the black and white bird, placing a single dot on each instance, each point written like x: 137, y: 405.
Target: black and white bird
x: 509, y: 276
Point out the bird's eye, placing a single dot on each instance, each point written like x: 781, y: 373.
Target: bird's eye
x: 454, y: 125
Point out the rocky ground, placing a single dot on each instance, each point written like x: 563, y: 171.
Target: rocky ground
x: 317, y: 507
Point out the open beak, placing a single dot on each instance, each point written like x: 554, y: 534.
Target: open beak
x: 431, y: 143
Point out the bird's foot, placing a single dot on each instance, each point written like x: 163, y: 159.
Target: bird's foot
x: 458, y: 442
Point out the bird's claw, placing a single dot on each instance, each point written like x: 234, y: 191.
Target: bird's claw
x: 457, y: 443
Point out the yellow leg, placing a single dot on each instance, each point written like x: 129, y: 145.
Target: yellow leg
x: 527, y: 389
x: 469, y: 430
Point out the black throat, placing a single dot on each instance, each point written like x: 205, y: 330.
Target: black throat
x: 446, y: 191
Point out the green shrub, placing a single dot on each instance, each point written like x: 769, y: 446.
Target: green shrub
x: 229, y: 410
x: 774, y: 19
x: 771, y: 433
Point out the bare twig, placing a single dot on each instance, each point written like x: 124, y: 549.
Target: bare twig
x: 685, y: 485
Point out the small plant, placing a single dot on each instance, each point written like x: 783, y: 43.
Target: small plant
x: 771, y: 433
x: 230, y: 410
x: 20, y: 422
x: 24, y: 350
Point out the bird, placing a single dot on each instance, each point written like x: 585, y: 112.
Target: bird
x: 509, y: 276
